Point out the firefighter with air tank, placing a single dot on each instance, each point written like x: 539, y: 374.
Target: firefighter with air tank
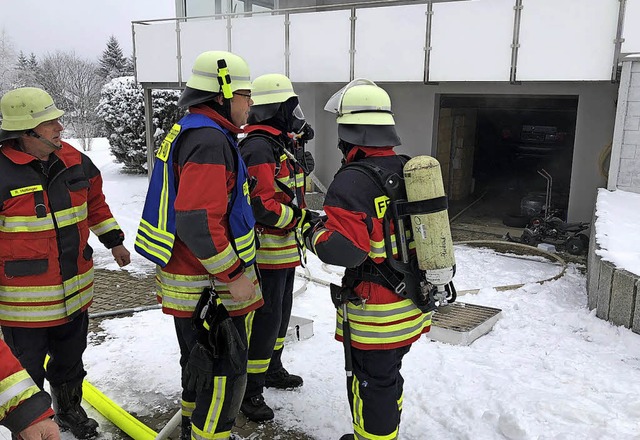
x: 386, y: 223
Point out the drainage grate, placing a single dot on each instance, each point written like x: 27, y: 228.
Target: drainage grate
x: 462, y: 323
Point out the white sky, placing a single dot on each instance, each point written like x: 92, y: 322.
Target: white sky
x: 549, y: 369
x: 83, y: 26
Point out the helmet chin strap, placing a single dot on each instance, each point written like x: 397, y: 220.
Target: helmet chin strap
x: 47, y: 142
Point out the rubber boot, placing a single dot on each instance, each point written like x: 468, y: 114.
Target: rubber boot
x: 256, y: 409
x: 70, y: 415
x: 282, y: 380
x: 185, y: 428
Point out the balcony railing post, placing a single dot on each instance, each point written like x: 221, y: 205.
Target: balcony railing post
x: 352, y: 46
x: 618, y: 41
x: 427, y: 41
x: 515, y: 42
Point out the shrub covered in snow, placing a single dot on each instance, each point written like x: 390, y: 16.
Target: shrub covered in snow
x: 122, y: 110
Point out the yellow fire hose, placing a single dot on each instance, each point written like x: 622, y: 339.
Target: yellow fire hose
x: 133, y: 427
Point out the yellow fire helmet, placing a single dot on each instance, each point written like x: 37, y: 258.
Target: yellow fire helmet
x: 271, y: 89
x: 24, y: 109
x: 215, y: 72
x: 361, y: 102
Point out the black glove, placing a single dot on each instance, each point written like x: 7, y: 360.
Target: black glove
x: 198, y: 373
x: 309, y: 228
x: 307, y: 133
x: 305, y: 159
x: 230, y: 345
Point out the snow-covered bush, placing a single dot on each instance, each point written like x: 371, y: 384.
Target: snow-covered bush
x: 122, y: 110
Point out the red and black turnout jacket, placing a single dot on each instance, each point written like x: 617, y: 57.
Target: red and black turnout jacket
x: 204, y: 167
x: 352, y: 232
x: 277, y: 196
x: 46, y: 212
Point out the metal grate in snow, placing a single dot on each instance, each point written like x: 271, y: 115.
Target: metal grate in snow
x: 462, y: 323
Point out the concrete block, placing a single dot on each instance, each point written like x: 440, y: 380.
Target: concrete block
x: 633, y: 108
x: 632, y: 123
x: 628, y: 151
x: 605, y: 279
x: 634, y: 92
x: 593, y: 275
x: 635, y: 66
x: 631, y: 137
x: 623, y: 298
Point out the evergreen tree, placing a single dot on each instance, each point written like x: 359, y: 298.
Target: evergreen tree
x: 113, y: 63
x: 33, y: 62
x: 121, y: 108
x: 23, y: 62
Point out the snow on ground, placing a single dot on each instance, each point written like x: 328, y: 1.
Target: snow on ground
x: 549, y: 369
x: 618, y: 215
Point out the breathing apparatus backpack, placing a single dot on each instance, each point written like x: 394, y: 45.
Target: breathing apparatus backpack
x: 424, y: 276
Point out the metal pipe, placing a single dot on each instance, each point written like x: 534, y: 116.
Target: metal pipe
x: 619, y: 40
x: 124, y: 311
x: 427, y: 42
x: 515, y: 43
x: 148, y: 127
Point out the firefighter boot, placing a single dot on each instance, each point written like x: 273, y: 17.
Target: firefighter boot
x: 256, y: 409
x: 69, y: 413
x: 282, y: 380
x: 185, y: 428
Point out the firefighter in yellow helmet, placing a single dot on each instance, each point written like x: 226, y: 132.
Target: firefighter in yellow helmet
x: 50, y: 197
x: 197, y: 226
x: 276, y: 135
x: 376, y: 324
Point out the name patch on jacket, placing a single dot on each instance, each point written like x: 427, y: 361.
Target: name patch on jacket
x: 25, y: 190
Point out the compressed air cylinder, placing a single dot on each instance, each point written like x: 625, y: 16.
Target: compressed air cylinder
x: 431, y: 232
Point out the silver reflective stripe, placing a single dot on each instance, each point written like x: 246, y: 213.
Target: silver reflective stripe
x: 9, y: 222
x: 385, y: 333
x: 215, y: 75
x: 16, y: 390
x: 272, y: 92
x: 216, y: 406
x: 14, y: 295
x: 193, y: 283
x: 52, y: 108
x: 368, y: 312
x: 385, y: 108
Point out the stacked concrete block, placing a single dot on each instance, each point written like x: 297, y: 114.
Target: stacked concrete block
x: 611, y: 291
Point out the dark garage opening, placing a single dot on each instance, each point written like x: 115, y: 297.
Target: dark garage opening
x: 491, y: 148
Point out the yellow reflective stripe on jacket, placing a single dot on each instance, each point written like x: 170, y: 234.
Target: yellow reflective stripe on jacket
x: 220, y: 262
x: 14, y: 390
x: 299, y: 179
x: 377, y: 249
x: 246, y: 245
x: 163, y: 210
x: 379, y: 327
x: 29, y: 223
x: 71, y: 296
x: 181, y: 292
x: 71, y: 216
x: 162, y: 245
x: 286, y: 217
x: 278, y: 249
x: 105, y: 226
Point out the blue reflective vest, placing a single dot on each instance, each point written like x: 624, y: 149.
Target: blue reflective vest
x: 157, y: 229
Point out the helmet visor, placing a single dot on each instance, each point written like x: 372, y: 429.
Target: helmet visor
x: 334, y: 104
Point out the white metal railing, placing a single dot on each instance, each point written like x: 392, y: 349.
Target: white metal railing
x: 426, y: 41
